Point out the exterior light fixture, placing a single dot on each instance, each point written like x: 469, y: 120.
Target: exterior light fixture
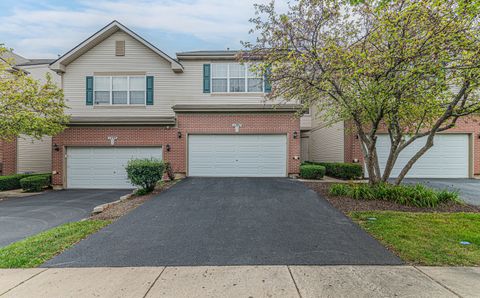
x: 56, y: 147
x: 179, y: 134
x: 168, y: 147
x: 295, y: 135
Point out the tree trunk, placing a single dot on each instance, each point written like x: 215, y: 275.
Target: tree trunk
x: 414, y: 159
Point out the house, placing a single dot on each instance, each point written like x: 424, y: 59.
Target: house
x: 455, y: 154
x: 202, y: 111
x: 206, y: 114
x: 26, y: 154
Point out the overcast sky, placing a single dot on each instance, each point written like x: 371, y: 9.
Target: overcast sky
x: 45, y: 29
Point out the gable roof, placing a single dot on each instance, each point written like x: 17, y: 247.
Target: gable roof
x: 101, y: 35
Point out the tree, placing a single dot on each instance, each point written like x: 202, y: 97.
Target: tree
x: 27, y: 106
x: 408, y: 67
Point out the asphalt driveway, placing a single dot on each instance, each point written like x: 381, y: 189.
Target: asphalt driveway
x: 229, y: 221
x: 469, y: 189
x: 23, y: 217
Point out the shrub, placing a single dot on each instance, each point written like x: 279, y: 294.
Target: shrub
x: 312, y: 171
x: 412, y: 195
x: 169, y: 170
x: 36, y: 183
x: 341, y: 170
x: 13, y: 181
x: 145, y: 173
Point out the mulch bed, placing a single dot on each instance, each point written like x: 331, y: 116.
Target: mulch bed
x: 347, y: 205
x: 118, y: 210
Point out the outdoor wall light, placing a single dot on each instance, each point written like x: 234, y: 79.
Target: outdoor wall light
x: 56, y: 147
x: 168, y: 147
x: 179, y: 134
x: 295, y: 134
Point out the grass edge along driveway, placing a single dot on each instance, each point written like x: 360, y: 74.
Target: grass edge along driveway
x: 37, y: 249
x: 426, y: 238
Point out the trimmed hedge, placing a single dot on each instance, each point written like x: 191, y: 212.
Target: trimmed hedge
x: 145, y: 173
x: 36, y: 183
x: 312, y: 171
x: 13, y: 181
x: 341, y: 170
x: 411, y: 195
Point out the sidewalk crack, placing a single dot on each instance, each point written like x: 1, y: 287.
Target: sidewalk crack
x: 21, y: 283
x: 439, y: 283
x: 154, y: 282
x: 294, y: 282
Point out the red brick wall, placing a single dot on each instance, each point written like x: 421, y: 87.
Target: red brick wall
x: 187, y: 124
x: 469, y: 125
x: 8, y: 157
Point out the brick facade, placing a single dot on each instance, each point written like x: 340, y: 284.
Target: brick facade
x: 8, y: 157
x: 271, y: 123
x: 469, y: 125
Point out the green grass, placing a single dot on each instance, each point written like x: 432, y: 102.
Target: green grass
x: 426, y: 238
x: 35, y: 250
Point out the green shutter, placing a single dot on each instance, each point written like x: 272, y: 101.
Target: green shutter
x: 149, y: 90
x: 267, y: 87
x: 89, y: 91
x: 206, y: 78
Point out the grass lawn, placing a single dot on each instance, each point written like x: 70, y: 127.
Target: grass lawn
x: 35, y: 250
x: 426, y: 238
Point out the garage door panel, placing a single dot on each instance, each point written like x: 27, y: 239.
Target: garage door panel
x: 237, y: 155
x: 448, y: 158
x: 103, y: 167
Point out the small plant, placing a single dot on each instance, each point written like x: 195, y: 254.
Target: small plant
x: 145, y: 173
x: 412, y: 195
x: 169, y: 171
x: 35, y: 183
x: 312, y: 171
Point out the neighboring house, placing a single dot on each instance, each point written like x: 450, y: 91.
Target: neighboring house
x: 203, y: 112
x: 455, y: 154
x: 26, y: 154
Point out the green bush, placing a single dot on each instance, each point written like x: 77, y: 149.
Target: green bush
x: 341, y: 170
x: 13, y: 181
x: 145, y: 173
x: 312, y: 171
x: 411, y: 195
x: 36, y: 183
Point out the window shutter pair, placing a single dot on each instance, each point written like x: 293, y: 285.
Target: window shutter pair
x: 89, y: 90
x: 207, y: 73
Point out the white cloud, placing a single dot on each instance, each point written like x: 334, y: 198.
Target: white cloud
x: 47, y: 32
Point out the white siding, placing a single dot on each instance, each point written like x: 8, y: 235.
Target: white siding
x: 34, y: 155
x: 39, y: 72
x: 169, y: 88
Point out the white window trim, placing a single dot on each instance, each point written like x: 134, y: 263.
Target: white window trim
x: 128, y: 91
x: 246, y: 77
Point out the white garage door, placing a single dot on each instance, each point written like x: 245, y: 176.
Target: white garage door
x: 103, y: 167
x: 237, y: 155
x: 448, y: 158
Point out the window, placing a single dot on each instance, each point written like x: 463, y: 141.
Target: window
x: 119, y: 90
x: 235, y: 78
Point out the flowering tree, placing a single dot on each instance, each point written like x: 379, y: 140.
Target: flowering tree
x: 27, y: 106
x: 408, y: 67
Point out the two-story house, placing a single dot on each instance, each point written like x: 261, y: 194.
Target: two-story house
x: 203, y: 112
x: 26, y: 154
x: 207, y: 115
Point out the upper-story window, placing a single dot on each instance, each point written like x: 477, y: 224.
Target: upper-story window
x: 119, y: 90
x: 235, y: 78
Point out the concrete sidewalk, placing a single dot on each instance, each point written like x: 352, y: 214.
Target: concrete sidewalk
x: 243, y: 281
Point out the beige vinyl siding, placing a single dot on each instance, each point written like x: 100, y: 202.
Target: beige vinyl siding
x: 305, y: 150
x: 169, y: 88
x: 327, y: 143
x: 34, y: 155
x: 39, y: 72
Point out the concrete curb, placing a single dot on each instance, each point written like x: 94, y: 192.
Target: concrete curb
x: 100, y: 208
